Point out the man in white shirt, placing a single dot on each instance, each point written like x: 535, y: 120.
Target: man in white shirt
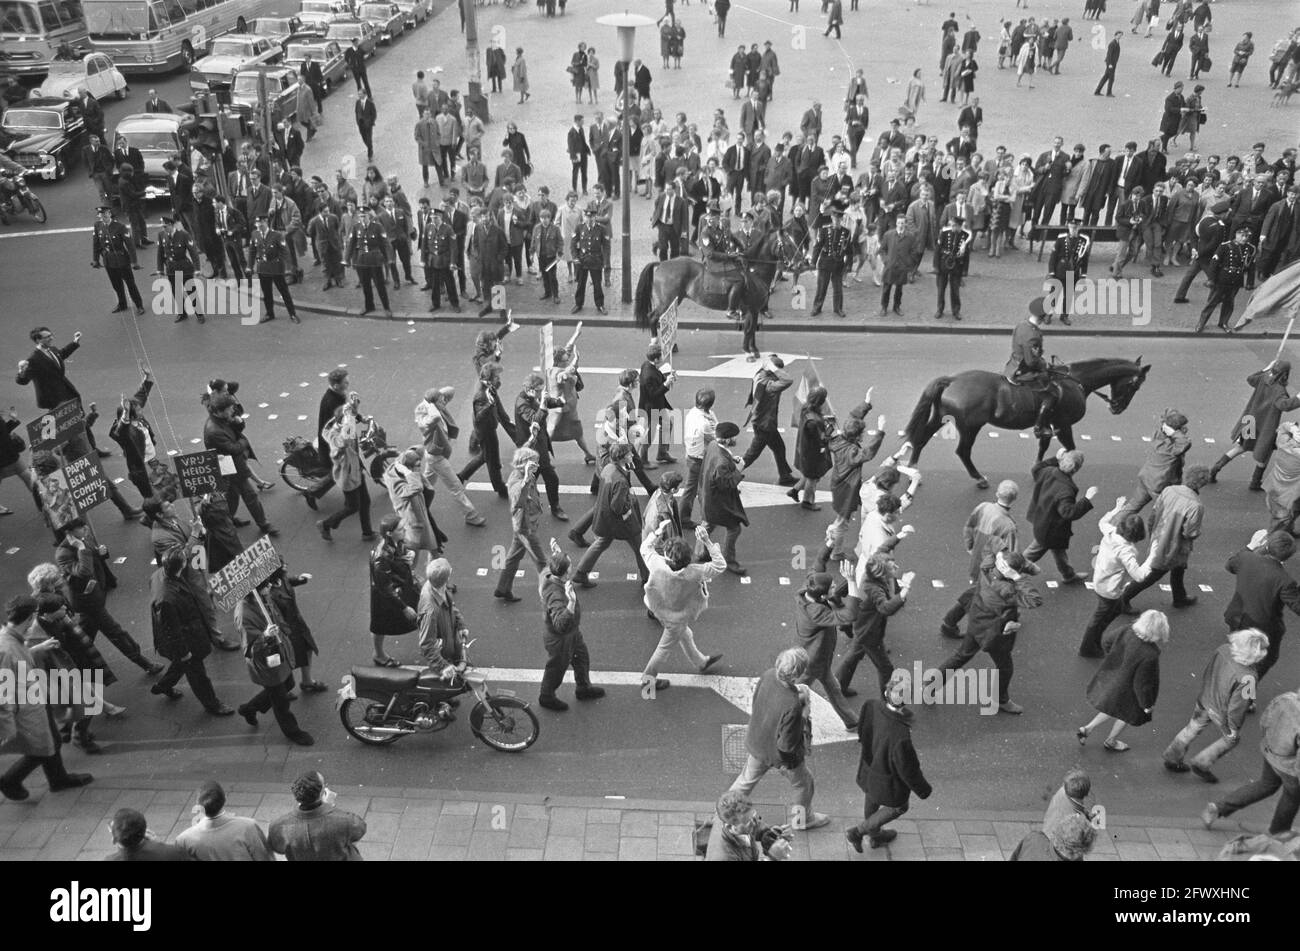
x: 700, y: 428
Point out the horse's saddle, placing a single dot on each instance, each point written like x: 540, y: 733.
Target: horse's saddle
x: 720, y: 277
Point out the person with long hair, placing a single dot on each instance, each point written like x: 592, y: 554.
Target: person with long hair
x: 1127, y: 684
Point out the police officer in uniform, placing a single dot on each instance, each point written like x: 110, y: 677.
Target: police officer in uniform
x: 112, y: 248
x: 178, y: 261
x: 438, y: 244
x: 229, y: 226
x: 1232, y: 262
x: 369, y: 253
x: 588, y: 248
x: 949, y: 258
x: 831, y: 252
x: 268, y: 258
x: 719, y: 246
x: 1028, y: 366
x: 1069, y: 254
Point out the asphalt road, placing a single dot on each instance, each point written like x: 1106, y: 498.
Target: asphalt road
x: 623, y: 745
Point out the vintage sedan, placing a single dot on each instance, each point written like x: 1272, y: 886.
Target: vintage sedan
x: 158, y: 136
x: 345, y: 31
x: 338, y: 7
x: 93, y: 72
x: 279, y: 29
x: 229, y: 54
x: 44, y: 135
x: 328, y: 54
x: 281, y: 91
x: 415, y: 12
x: 388, y: 20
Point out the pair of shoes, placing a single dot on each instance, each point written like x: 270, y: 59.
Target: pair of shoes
x: 1204, y: 774
x: 883, y: 837
x: 793, y: 494
x: 787, y: 480
x: 477, y: 520
x: 848, y: 691
x: 1178, y: 767
x: 368, y: 536
x: 949, y: 631
x: 1116, y: 746
x: 1092, y: 654
x: 552, y: 703
x: 660, y: 685
x: 855, y: 838
x: 325, y: 532
x: 385, y: 662
x: 221, y: 710
x: 582, y: 581
x: 815, y: 821
x: 302, y: 738
x: 249, y: 714
x: 313, y: 686
x: 736, y: 569
x: 269, y: 530
x: 810, y: 506
x: 1073, y: 579
x: 709, y: 662
x: 240, y: 522
x: 506, y: 596
x: 557, y: 513
x: 71, y: 781
x: 589, y: 692
x: 154, y: 669
x: 171, y: 693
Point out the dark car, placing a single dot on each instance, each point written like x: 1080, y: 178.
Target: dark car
x: 45, y: 136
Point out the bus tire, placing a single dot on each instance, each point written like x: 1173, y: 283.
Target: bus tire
x: 187, y: 57
x: 241, y: 25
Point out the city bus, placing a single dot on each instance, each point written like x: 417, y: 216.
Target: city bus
x: 33, y: 31
x: 160, y: 36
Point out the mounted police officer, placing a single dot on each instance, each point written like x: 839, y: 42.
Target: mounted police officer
x: 1069, y: 256
x: 722, y: 254
x: 112, y: 249
x: 178, y: 261
x: 1028, y: 366
x: 831, y: 253
x: 268, y: 258
x: 588, y: 247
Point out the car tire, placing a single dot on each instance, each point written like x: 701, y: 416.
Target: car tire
x: 60, y: 171
x: 121, y: 93
x: 241, y: 25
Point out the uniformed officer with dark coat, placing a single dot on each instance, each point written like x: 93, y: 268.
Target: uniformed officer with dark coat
x: 588, y: 250
x: 438, y: 246
x: 1069, y: 254
x: 369, y: 253
x: 112, y: 249
x: 268, y: 258
x: 716, y: 241
x: 1028, y: 365
x: 1232, y: 262
x: 178, y: 261
x: 831, y: 252
x: 949, y: 260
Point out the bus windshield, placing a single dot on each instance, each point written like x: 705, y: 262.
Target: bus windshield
x: 118, y: 18
x: 19, y: 18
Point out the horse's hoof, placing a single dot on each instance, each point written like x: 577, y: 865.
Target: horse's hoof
x: 981, y: 483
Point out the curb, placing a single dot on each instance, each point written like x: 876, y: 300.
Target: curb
x: 776, y: 326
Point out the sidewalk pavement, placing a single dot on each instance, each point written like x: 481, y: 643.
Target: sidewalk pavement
x: 427, y: 824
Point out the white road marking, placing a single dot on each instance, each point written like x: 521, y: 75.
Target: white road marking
x: 1089, y: 438
x: 482, y: 572
x: 120, y: 561
x: 937, y: 583
x: 746, y: 580
x: 1210, y: 440
x: 753, y: 494
x: 738, y: 691
x: 784, y: 581
x: 1206, y: 588
x: 1114, y: 439
x: 12, y: 551
x: 42, y: 234
x: 993, y: 435
x: 274, y: 416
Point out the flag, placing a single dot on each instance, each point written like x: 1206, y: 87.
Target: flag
x: 1279, y: 296
x: 807, y: 381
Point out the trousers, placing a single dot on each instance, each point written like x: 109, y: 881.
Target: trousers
x: 489, y: 454
x: 999, y: 651
x: 801, y: 782
x: 1269, y: 782
x: 276, y: 700
x: 438, y: 469
x: 123, y: 281
x: 196, y: 673
x: 241, y: 487
x: 676, y: 633
x: 1206, y: 758
x: 355, y: 501
x: 875, y: 817
x: 768, y: 439
x: 520, y: 544
x: 562, y: 652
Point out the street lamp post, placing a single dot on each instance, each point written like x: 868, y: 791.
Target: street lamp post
x: 626, y: 23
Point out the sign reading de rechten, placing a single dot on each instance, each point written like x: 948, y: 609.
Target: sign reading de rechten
x: 57, y: 427
x: 245, y: 572
x: 198, y: 472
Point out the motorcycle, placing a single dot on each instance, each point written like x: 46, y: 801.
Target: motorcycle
x: 16, y: 197
x: 380, y: 705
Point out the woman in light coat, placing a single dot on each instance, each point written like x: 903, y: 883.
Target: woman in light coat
x: 426, y: 137
x: 341, y: 434
x: 593, y: 75
x: 519, y: 76
x: 915, y: 94
x: 406, y: 487
x: 308, y: 111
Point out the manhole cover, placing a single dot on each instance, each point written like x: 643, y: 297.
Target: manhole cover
x: 734, y: 753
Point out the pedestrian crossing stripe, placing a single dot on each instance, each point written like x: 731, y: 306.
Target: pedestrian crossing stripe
x: 993, y: 435
x: 1165, y: 587
x: 1089, y: 585
x: 322, y: 375
x: 1206, y: 588
x: 519, y: 573
x: 746, y: 580
x: 1146, y: 438
x: 784, y: 581
x: 302, y: 419
x: 1089, y: 438
x: 482, y: 572
x: 117, y: 481
x: 263, y: 405
x: 936, y: 583
x: 304, y: 384
x: 632, y: 576
x: 172, y: 452
x: 120, y: 561
x: 274, y: 416
x: 1210, y: 440
x: 195, y: 442
x: 594, y: 575
x: 1114, y: 439
x: 283, y: 395
x: 1024, y: 435
x: 12, y: 551
x: 1051, y: 584
x: 344, y: 366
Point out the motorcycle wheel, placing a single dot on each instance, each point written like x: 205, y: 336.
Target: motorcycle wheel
x: 509, y: 725
x: 353, y: 715
x: 37, y: 209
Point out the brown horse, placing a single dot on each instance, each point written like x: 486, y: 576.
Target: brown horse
x: 685, y: 278
x: 976, y: 398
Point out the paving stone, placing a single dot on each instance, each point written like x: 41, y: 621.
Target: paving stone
x: 381, y: 827
x: 1208, y: 852
x: 32, y: 834
x: 898, y: 825
x: 528, y: 833
x: 1010, y: 833
x: 639, y: 824
x: 601, y: 838
x: 944, y: 855
x: 827, y: 845
x: 568, y: 821
x: 526, y: 855
x: 938, y: 834
x: 99, y: 794
x: 74, y: 825
x: 1206, y: 837
x: 453, y: 830
x: 18, y: 855
x: 604, y: 815
x: 495, y: 816
x: 460, y: 808
x: 1094, y: 857
x: 563, y: 848
x: 448, y: 853
x: 1129, y: 834
x: 600, y: 856
x: 420, y: 815
x: 412, y: 845
x: 273, y: 806
x: 1136, y: 852
x: 375, y: 851
x: 62, y: 848
x: 387, y: 804
x: 1157, y: 836
x: 1175, y: 850
x: 531, y: 810
x: 174, y: 797
x: 487, y: 846
x: 637, y: 849
x: 94, y: 855
x: 676, y: 819
x: 967, y: 827
x: 132, y: 799
x: 1104, y: 844
x: 980, y: 843
x: 244, y: 800
x: 676, y: 840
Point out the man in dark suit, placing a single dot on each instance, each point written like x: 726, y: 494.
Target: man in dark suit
x: 112, y: 249
x: 760, y: 157
x: 810, y: 159
x: 971, y: 117
x: 1279, y: 233
x: 598, y: 136
x: 1127, y: 172
x: 124, y: 154
x: 99, y: 167
x: 579, y: 150
x: 366, y: 115
x: 355, y: 57
x: 1050, y: 171
x: 653, y: 402
x: 736, y: 164
x: 669, y: 221
x: 1210, y: 232
x: 765, y: 409
x: 47, y: 371
x: 180, y: 182
x: 1112, y: 59
x: 489, y: 413
x: 154, y: 104
x: 1264, y: 589
x: 1248, y: 208
x: 1130, y: 228
x: 531, y: 408
x: 617, y: 515
x: 1151, y: 167
x: 1097, y: 186
x: 490, y: 246
x: 258, y: 199
x: 335, y: 395
x: 230, y: 230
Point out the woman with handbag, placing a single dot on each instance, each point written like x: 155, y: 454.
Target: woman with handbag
x: 1192, y: 117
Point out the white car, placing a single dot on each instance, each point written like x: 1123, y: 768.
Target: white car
x: 415, y: 12
x: 94, y: 72
x: 231, y: 53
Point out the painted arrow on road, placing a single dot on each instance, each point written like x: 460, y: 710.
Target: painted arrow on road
x: 737, y: 691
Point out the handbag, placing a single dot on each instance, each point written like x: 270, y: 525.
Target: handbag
x: 1205, y: 64
x: 1155, y: 60
x: 1201, y: 118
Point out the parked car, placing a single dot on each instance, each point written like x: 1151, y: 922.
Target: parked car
x: 319, y: 23
x: 45, y: 135
x: 388, y: 20
x: 229, y: 54
x: 158, y: 136
x: 345, y: 31
x: 281, y: 91
x: 338, y: 7
x: 327, y: 53
x: 93, y: 72
x: 415, y: 12
x: 278, y: 29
